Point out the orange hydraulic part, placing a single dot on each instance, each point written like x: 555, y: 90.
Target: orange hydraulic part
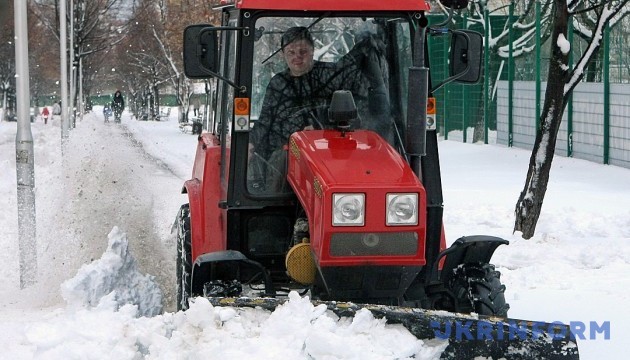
x: 332, y: 5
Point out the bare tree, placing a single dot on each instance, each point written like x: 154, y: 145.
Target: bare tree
x: 168, y: 37
x: 149, y: 58
x: 560, y: 83
x: 43, y: 56
x: 97, y: 26
x: 153, y: 53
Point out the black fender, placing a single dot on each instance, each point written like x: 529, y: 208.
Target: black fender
x: 467, y: 249
x: 203, y: 263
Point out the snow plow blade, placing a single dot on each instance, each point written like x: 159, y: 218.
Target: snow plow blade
x: 469, y: 337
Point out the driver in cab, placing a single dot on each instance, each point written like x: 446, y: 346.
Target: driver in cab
x: 293, y: 93
x: 294, y: 99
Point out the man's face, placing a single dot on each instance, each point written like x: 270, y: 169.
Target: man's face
x: 299, y: 57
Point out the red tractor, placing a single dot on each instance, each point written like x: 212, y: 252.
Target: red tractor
x: 339, y: 198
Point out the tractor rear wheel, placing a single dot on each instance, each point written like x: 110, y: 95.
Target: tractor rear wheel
x: 477, y: 288
x: 184, y: 257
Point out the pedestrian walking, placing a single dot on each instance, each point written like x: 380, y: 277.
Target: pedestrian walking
x: 45, y: 115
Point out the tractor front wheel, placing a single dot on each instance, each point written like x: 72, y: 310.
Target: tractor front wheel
x: 184, y: 257
x: 477, y: 288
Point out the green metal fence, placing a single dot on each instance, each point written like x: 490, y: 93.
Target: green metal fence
x: 464, y: 106
x: 507, y: 102
x: 597, y: 116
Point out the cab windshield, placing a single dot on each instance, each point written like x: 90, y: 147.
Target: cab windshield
x: 300, y: 62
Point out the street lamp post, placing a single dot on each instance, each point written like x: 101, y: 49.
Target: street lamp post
x: 65, y: 124
x: 24, y: 153
x: 72, y: 68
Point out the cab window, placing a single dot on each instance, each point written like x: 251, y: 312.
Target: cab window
x: 298, y: 64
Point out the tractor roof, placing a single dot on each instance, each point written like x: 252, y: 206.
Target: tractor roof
x: 331, y: 5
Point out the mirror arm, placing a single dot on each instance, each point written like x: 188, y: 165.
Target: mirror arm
x: 448, y: 19
x: 242, y: 89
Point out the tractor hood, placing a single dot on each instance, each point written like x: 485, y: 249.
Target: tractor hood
x: 365, y: 206
x: 354, y: 159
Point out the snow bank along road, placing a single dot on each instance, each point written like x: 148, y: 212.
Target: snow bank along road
x: 106, y: 179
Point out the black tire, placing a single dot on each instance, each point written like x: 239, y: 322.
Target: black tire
x: 477, y: 288
x: 184, y: 257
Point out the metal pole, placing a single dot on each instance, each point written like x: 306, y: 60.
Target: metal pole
x: 570, y: 101
x: 511, y: 76
x: 621, y: 53
x: 72, y: 68
x: 65, y: 124
x: 465, y: 95
x: 446, y: 91
x: 80, y: 72
x: 24, y: 153
x: 607, y: 94
x: 206, y: 108
x: 80, y: 68
x: 486, y: 77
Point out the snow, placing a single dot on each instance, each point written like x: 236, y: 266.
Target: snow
x: 106, y: 254
x: 116, y: 274
x: 563, y: 44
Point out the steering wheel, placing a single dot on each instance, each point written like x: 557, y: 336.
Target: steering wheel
x: 315, y: 115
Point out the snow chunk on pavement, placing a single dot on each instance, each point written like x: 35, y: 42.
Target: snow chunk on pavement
x: 113, y: 281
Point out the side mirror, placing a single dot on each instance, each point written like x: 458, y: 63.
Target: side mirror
x: 200, y: 51
x: 466, y: 53
x: 455, y: 4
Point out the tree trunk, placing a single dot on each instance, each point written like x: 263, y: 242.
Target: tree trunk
x: 531, y: 199
x: 156, y: 97
x: 479, y: 131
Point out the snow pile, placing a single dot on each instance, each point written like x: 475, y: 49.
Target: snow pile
x: 115, y: 276
x: 303, y: 330
x: 97, y: 333
x: 296, y: 330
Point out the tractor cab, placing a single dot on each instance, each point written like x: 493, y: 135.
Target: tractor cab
x: 283, y: 166
x: 345, y: 53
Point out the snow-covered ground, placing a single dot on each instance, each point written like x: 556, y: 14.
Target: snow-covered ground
x: 104, y: 212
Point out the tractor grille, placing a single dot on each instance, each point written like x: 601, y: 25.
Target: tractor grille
x: 368, y: 284
x: 371, y: 244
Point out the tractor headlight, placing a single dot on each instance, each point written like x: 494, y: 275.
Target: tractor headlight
x: 402, y: 209
x: 348, y: 209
